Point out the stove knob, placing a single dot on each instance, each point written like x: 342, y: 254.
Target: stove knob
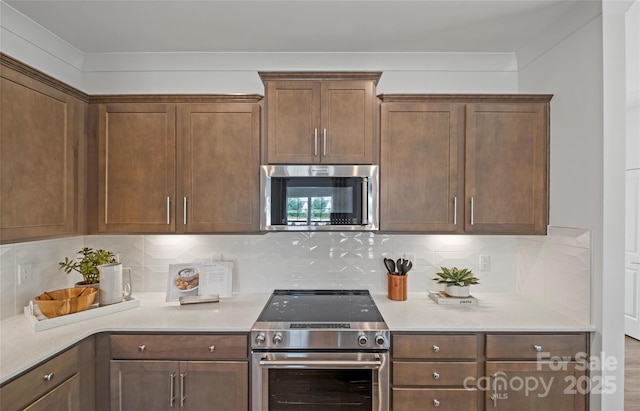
x: 277, y: 338
x: 362, y: 340
x: 261, y: 338
x: 380, y: 339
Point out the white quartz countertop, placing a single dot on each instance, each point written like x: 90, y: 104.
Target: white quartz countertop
x: 21, y: 347
x: 494, y: 312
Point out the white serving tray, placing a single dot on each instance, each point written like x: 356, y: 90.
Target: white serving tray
x: 40, y: 322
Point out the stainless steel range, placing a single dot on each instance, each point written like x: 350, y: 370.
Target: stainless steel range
x: 320, y: 350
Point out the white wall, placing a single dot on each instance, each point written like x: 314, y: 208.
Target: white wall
x: 585, y: 72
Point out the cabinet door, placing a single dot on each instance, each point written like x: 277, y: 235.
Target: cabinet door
x: 347, y: 122
x: 535, y: 386
x: 145, y: 385
x: 215, y: 385
x: 421, y: 167
x: 137, y: 168
x: 293, y: 121
x: 506, y: 176
x: 39, y: 135
x: 64, y: 397
x: 220, y: 163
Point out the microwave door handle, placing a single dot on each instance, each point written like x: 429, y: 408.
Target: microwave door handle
x: 365, y: 195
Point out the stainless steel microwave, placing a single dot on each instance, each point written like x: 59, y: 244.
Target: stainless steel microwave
x: 319, y: 197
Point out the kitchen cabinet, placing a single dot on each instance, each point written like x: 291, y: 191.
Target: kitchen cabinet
x: 464, y: 163
x: 506, y: 168
x: 64, y: 382
x: 421, y: 166
x: 320, y: 118
x: 431, y: 370
x: 219, y: 164
x: 179, y: 167
x: 41, y: 139
x: 504, y: 371
x: 536, y: 372
x: 137, y: 168
x: 188, y: 372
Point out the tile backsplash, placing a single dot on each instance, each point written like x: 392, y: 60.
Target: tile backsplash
x: 262, y: 263
x: 556, y: 270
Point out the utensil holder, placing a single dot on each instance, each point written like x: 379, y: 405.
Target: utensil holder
x: 397, y: 287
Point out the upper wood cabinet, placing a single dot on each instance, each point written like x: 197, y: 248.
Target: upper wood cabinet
x: 506, y: 167
x: 320, y: 117
x: 41, y: 135
x: 136, y: 168
x: 219, y: 162
x: 464, y: 164
x: 421, y: 166
x: 178, y: 167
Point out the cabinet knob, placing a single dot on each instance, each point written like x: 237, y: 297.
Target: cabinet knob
x: 436, y: 348
x: 48, y: 377
x: 212, y: 348
x: 436, y: 403
x: 142, y: 347
x: 436, y: 376
x: 537, y: 347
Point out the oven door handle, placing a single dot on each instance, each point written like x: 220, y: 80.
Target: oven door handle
x: 373, y: 363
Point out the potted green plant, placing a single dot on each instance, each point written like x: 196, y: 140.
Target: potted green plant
x: 457, y: 282
x: 87, y: 264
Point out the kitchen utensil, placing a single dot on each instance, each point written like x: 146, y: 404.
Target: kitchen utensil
x: 111, y: 286
x: 65, y: 301
x: 407, y: 265
x: 399, y: 266
x: 391, y: 266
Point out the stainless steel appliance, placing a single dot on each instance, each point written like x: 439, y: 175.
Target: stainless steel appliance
x: 320, y: 350
x: 319, y: 197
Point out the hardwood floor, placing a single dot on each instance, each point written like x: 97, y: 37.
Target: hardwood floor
x: 631, y: 374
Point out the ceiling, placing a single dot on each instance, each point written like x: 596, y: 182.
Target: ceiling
x: 99, y: 26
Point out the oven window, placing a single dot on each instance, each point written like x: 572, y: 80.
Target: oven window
x: 320, y: 390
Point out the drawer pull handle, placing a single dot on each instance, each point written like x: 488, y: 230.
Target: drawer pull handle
x: 436, y: 403
x: 537, y: 347
x: 212, y: 348
x: 436, y: 376
x: 48, y: 377
x: 436, y: 348
x: 142, y: 347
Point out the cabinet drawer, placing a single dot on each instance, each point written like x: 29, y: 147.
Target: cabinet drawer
x: 39, y: 381
x: 179, y: 347
x: 534, y: 346
x: 435, y: 346
x: 433, y: 373
x: 448, y: 399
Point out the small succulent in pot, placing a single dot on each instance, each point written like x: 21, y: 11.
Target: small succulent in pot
x: 457, y: 282
x: 87, y: 265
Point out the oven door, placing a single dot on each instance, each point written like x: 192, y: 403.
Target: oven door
x: 320, y: 381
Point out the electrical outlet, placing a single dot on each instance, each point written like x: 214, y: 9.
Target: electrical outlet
x: 485, y: 263
x: 25, y: 272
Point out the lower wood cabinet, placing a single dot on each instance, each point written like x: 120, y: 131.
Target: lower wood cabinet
x: 64, y: 382
x: 184, y: 385
x: 536, y: 372
x: 487, y: 371
x: 179, y: 372
x: 64, y: 397
x: 431, y: 371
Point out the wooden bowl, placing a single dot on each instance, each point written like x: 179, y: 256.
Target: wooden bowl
x: 66, y: 301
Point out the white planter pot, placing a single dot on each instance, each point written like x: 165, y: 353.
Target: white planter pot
x: 456, y: 291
